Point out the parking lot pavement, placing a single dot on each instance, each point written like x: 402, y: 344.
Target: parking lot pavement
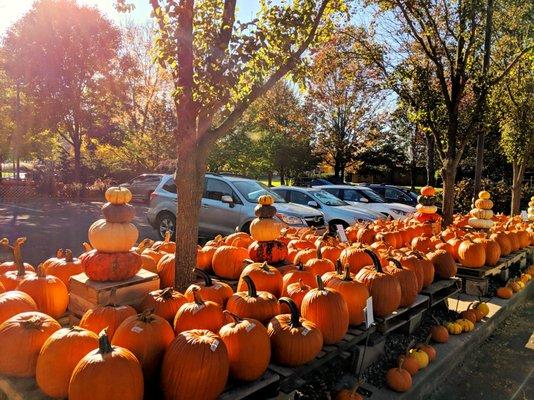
x: 49, y: 224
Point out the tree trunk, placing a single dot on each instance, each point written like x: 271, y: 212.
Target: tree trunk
x: 269, y: 179
x: 448, y: 173
x: 282, y: 177
x: 77, y: 162
x: 337, y: 169
x: 430, y: 160
x: 18, y: 167
x: 479, y: 165
x: 518, y: 170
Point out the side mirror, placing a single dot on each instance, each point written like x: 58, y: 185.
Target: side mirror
x: 313, y: 203
x: 228, y: 200
x: 363, y: 200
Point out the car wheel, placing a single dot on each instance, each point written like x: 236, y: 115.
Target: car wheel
x: 246, y: 228
x: 166, y: 222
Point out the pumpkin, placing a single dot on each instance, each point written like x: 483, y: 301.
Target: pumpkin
x: 479, y: 314
x: 204, y: 257
x: 412, y: 263
x: 348, y: 394
x: 439, y: 334
x: 428, y: 269
x: 428, y: 191
x: 166, y: 245
x: 319, y: 265
x: 356, y: 257
x: 480, y: 223
x: 272, y: 252
x: 241, y: 337
x: 21, y: 339
x: 327, y: 309
x: 195, y: 366
x: 422, y: 243
x: 296, y: 292
x: 407, y: 281
x: 354, y: 293
x: 110, y: 237
x: 514, y: 242
x: 258, y: 305
x: 429, y: 350
x: 11, y: 279
x: 166, y: 268
x: 300, y: 244
x: 64, y: 267
x: 409, y: 363
x: 294, y: 340
x: 366, y: 235
x: 118, y: 195
x: 503, y: 241
x: 107, y: 372
x: 471, y: 254
x: 485, y: 204
x: 164, y: 302
x: 49, y: 293
x: 265, y: 277
x: 107, y: 317
x: 384, y: 288
x: 454, y: 328
x: 218, y: 292
x: 229, y: 240
x: 147, y: 336
x: 58, y: 357
x: 443, y: 262
x: 331, y: 253
x: 467, y: 326
x: 505, y: 293
x: 15, y: 302
x: 264, y: 229
x: 492, y: 250
x: 484, y: 195
x: 299, y: 272
x: 113, y: 267
x: 469, y: 314
x: 147, y: 261
x: 420, y: 356
x: 480, y: 213
x: 455, y: 244
x: 483, y: 307
x: 118, y: 213
x: 515, y: 286
x: 228, y: 261
x: 16, y: 251
x: 199, y: 314
x: 398, y: 379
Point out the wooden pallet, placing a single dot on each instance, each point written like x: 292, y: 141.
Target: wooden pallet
x: 268, y: 383
x: 504, y: 262
x: 20, y: 389
x: 440, y: 290
x: 292, y: 378
x: 402, y: 316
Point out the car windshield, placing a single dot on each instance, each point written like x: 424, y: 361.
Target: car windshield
x: 323, y: 197
x: 252, y: 190
x: 356, y: 195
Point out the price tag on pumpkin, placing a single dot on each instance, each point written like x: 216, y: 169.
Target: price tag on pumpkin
x: 368, y: 312
x: 341, y: 233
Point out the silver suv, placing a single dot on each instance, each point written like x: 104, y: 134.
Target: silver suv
x: 228, y: 202
x: 335, y: 211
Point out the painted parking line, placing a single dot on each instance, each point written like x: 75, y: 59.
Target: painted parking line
x: 22, y: 208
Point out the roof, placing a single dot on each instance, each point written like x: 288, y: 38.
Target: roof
x: 303, y: 188
x: 343, y: 187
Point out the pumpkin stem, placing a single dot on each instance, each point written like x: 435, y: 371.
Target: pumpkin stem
x: 34, y: 322
x: 396, y: 262
x: 202, y: 274
x: 265, y: 266
x: 143, y: 245
x: 320, y: 284
x: 300, y: 266
x: 293, y: 310
x: 60, y: 254
x: 39, y: 271
x: 319, y: 248
x: 146, y: 316
x: 86, y: 246
x: 104, y: 346
x: 339, y: 267
x: 167, y: 293
x: 17, y: 254
x: 236, y: 318
x: 375, y: 259
x: 167, y: 236
x: 197, y: 297
x: 251, y: 286
x: 346, y: 276
x: 68, y: 255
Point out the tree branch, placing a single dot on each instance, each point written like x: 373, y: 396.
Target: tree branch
x: 510, y: 66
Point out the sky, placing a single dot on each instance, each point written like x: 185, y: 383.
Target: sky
x: 12, y: 10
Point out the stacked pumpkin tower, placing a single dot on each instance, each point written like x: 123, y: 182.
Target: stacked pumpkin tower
x: 482, y: 214
x: 531, y: 209
x: 112, y: 239
x: 427, y: 210
x: 265, y: 231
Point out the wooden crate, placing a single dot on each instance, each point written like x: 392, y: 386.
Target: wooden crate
x: 85, y: 293
x: 440, y: 290
x: 476, y: 286
x: 515, y: 259
x: 267, y: 384
x: 402, y: 316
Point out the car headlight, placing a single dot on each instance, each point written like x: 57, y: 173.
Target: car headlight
x: 290, y: 219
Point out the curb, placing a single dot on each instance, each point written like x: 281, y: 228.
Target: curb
x: 453, y: 353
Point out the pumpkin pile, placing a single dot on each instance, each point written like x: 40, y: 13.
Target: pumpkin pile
x: 482, y: 214
x: 530, y: 211
x: 112, y: 238
x: 426, y: 207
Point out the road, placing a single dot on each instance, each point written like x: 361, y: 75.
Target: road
x: 502, y: 368
x: 49, y: 224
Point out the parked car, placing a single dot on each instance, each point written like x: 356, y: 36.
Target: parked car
x: 142, y: 186
x: 394, y: 194
x: 366, y: 198
x: 228, y: 202
x: 335, y: 211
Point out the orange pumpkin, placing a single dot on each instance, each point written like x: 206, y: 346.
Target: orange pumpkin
x: 21, y: 339
x: 356, y: 257
x: 228, y: 261
x: 265, y: 277
x: 166, y: 268
x: 295, y: 274
x: 113, y: 267
x: 407, y: 281
x: 15, y: 302
x: 272, y: 252
x: 503, y: 241
x: 492, y: 250
x: 471, y: 254
x: 59, y: 356
x: 216, y: 291
x: 199, y: 314
x: 444, y: 265
x: 16, y: 251
x: 205, y: 256
x: 164, y: 302
x: 64, y: 268
x: 319, y: 265
x: 296, y: 292
x: 105, y: 317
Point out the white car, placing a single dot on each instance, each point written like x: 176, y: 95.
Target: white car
x: 366, y: 198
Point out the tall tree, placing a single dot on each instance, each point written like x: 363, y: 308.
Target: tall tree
x: 219, y: 66
x: 345, y: 96
x: 64, y: 56
x: 446, y: 38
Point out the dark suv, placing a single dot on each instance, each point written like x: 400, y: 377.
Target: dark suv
x: 394, y: 194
